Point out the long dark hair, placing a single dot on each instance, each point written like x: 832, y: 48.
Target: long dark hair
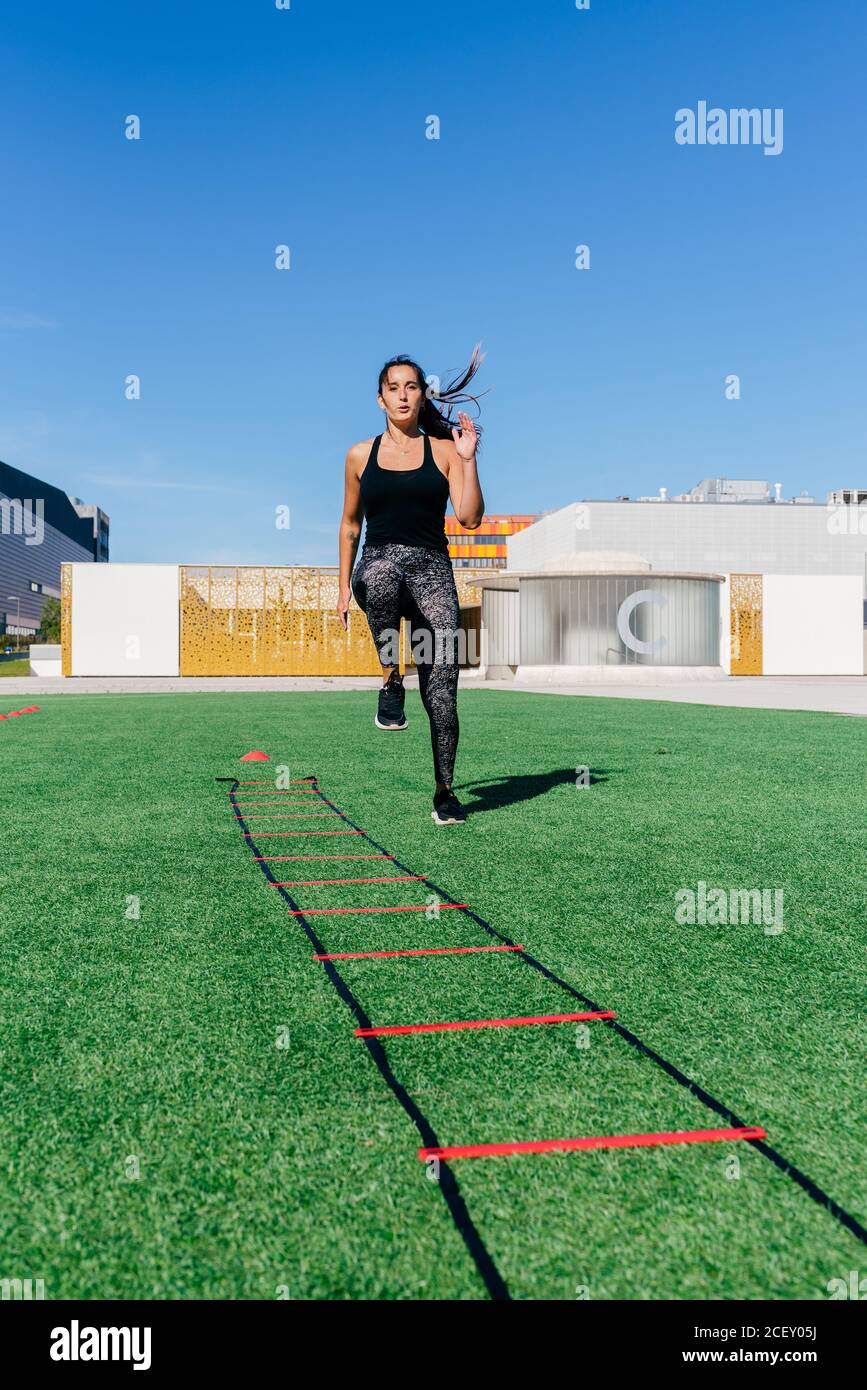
x: 431, y: 419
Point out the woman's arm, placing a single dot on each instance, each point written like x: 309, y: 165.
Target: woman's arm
x: 350, y: 528
x: 464, y: 489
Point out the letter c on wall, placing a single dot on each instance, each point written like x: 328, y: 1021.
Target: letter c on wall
x: 624, y: 613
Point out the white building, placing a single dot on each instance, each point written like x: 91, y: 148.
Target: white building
x: 729, y: 577
x: 722, y: 526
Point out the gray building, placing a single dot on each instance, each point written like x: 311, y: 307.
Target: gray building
x: 40, y: 527
x: 722, y: 526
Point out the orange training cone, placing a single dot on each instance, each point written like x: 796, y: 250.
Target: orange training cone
x: 255, y: 757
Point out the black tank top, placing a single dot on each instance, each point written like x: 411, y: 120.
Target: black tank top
x: 405, y: 506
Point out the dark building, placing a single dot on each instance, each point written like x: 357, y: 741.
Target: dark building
x: 40, y: 527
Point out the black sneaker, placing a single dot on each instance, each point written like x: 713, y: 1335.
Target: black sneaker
x: 447, y: 810
x: 389, y: 714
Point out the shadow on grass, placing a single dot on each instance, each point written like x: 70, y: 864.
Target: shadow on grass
x: 493, y: 793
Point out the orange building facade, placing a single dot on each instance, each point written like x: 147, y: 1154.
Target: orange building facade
x: 484, y: 548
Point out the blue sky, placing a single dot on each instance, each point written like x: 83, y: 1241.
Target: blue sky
x: 306, y: 127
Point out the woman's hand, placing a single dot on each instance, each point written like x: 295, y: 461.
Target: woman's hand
x: 466, y: 438
x: 343, y: 606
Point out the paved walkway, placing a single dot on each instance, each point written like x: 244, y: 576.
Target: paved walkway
x: 834, y: 694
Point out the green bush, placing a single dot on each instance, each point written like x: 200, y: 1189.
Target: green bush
x: 49, y: 628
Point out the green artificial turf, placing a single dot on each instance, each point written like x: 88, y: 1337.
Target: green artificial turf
x: 157, y: 1142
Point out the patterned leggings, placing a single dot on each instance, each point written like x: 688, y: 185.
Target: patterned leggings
x: 391, y: 581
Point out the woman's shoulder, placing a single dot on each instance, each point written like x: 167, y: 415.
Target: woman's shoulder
x: 363, y: 446
x: 358, y: 454
x: 444, y: 451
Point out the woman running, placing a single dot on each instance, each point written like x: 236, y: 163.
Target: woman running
x: 401, y: 482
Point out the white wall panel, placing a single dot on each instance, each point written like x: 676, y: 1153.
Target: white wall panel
x: 812, y: 625
x: 725, y: 624
x: 125, y: 620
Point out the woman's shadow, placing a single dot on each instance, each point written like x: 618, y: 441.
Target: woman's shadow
x: 493, y: 793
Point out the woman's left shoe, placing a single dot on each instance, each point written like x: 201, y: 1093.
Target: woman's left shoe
x: 447, y: 810
x: 389, y: 714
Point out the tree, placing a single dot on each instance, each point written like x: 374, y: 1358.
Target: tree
x: 49, y: 626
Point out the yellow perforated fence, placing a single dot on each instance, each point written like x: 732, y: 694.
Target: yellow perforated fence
x: 746, y: 624
x: 282, y: 621
x: 66, y: 619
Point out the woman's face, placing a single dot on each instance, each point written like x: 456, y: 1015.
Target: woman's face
x: 401, y: 396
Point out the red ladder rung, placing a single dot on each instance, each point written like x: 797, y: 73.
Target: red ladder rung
x: 426, y: 951
x: 286, y: 834
x: 318, y: 882
x: 612, y: 1141
x: 410, y: 907
x: 483, y: 1023
x: 285, y: 858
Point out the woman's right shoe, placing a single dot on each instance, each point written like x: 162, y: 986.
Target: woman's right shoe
x: 448, y: 810
x: 389, y: 714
